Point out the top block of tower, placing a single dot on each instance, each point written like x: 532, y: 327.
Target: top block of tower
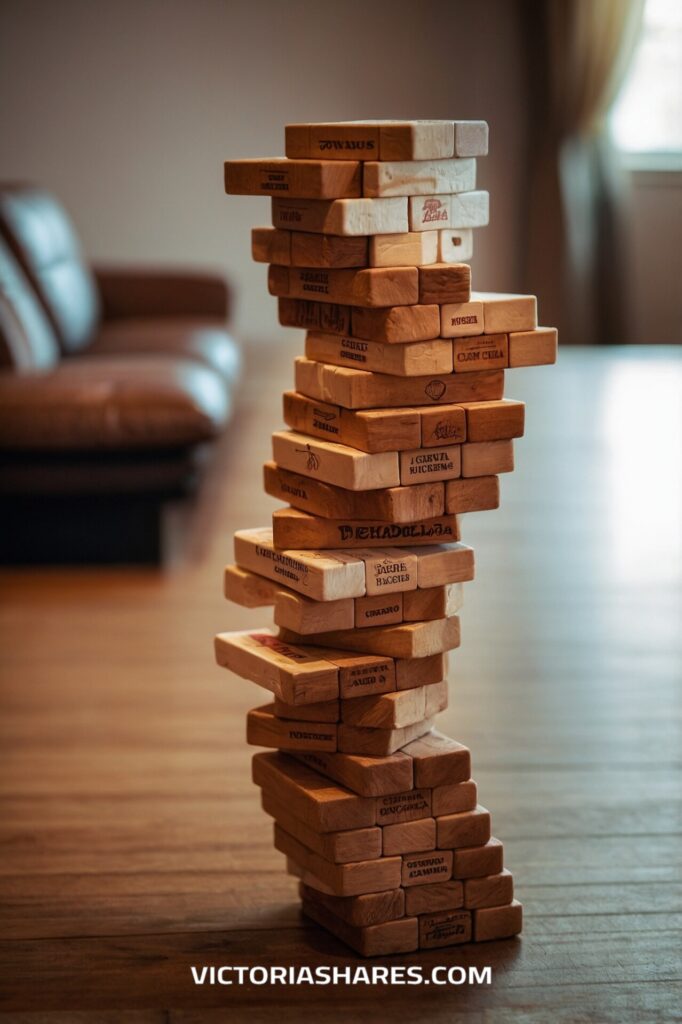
x: 387, y: 140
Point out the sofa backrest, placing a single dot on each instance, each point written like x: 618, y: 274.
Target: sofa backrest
x: 41, y: 238
x: 27, y: 341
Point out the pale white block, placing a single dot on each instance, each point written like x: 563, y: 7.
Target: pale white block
x: 471, y: 138
x: 342, y: 216
x: 454, y: 245
x: 461, y: 210
x: 462, y: 319
x: 503, y: 312
x: 418, y: 177
x: 411, y: 249
x: 468, y: 210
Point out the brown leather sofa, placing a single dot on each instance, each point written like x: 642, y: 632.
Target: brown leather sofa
x: 113, y: 384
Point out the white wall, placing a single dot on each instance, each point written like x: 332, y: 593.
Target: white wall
x: 126, y: 109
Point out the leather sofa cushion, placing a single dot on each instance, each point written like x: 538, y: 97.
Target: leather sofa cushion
x: 41, y: 238
x: 27, y: 341
x: 113, y: 402
x: 191, y: 338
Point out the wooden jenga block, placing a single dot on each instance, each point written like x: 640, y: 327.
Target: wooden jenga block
x: 434, y: 463
x: 447, y: 928
x: 444, y: 282
x: 444, y: 424
x: 487, y: 458
x: 348, y: 879
x: 360, y: 674
x: 360, y: 389
x: 454, y: 798
x: 294, y: 611
x: 497, y: 922
x: 388, y: 571
x: 323, y: 711
x: 320, y: 577
x: 386, y: 140
x: 265, y: 729
x: 294, y: 529
x: 296, y: 179
x: 367, y: 776
x: 315, y: 316
x: 249, y: 589
x: 342, y: 216
x: 438, y: 760
x: 412, y: 359
x: 355, y: 739
x: 455, y: 245
x: 295, y: 675
x: 407, y: 640
x: 333, y: 141
x: 338, y: 847
x: 411, y: 672
x: 382, y: 609
x: 335, y: 463
x: 412, y: 249
x: 394, y: 710
x: 475, y: 494
x: 367, y: 909
x: 462, y: 319
x: 316, y: 801
x: 410, y: 837
x: 303, y: 249
x: 416, y: 140
x: 440, y: 565
x: 436, y: 698
x: 392, y: 504
x: 396, y: 808
x: 533, y: 348
x: 368, y: 286
x: 270, y: 245
x: 489, y: 891
x: 386, y: 939
x: 430, y: 899
x: 483, y: 352
x: 433, y: 603
x: 462, y: 210
x: 465, y: 829
x: 505, y: 313
x: 494, y: 421
x: 427, y: 867
x: 417, y: 177
x: 471, y: 138
x: 371, y: 430
x: 478, y: 861
x: 396, y: 324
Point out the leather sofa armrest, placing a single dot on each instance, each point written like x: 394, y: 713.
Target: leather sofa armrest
x: 154, y: 292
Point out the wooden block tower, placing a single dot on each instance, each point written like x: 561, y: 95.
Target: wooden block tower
x: 396, y: 427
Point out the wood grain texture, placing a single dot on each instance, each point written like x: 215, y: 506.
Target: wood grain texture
x: 125, y: 768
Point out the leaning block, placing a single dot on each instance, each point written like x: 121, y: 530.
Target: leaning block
x: 295, y: 675
x: 368, y: 286
x: 386, y: 939
x: 249, y: 589
x: 292, y: 528
x: 438, y: 760
x: 323, y: 711
x: 367, y: 776
x: 489, y: 891
x: 335, y: 463
x: 354, y: 739
x: 533, y: 348
x: 338, y: 847
x: 425, y: 868
x: 407, y: 640
x: 417, y: 177
x: 367, y: 909
x: 412, y: 249
x: 447, y: 928
x: 349, y: 879
x: 395, y: 710
x: 465, y: 210
x: 342, y: 216
x: 265, y: 729
x: 497, y: 922
x: 411, y: 359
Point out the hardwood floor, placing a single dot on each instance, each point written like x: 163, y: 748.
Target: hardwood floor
x: 133, y: 844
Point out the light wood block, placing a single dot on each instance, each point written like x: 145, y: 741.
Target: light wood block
x: 392, y: 504
x: 412, y: 249
x: 335, y: 463
x: 447, y: 928
x: 494, y: 421
x: 367, y: 776
x: 483, y: 352
x: 462, y: 319
x: 427, y: 867
x: 463, y: 210
x: 333, y: 141
x: 430, y: 899
x: 433, y: 463
x: 317, y: 802
x: 367, y: 909
x: 296, y: 179
x: 433, y: 603
x: 410, y: 837
x: 370, y: 430
x: 338, y: 847
x: 292, y: 528
x: 411, y: 672
x: 505, y: 313
x: 382, y: 609
x: 465, y: 829
x: 315, y: 316
x: 454, y: 798
x: 249, y: 589
x: 396, y: 808
x: 354, y: 739
x: 381, y: 140
x: 473, y: 495
x: 438, y: 760
x: 416, y: 140
x: 328, y: 577
x: 396, y: 324
x: 487, y: 458
x: 368, y: 286
x: 294, y: 611
x: 444, y: 282
x: 440, y: 565
x: 387, y: 571
x: 295, y: 675
x: 442, y: 425
x: 349, y: 879
x: 412, y: 359
x: 359, y: 389
x: 407, y: 640
x: 533, y: 348
x: 324, y: 711
x: 489, y: 891
x: 497, y: 922
x: 455, y: 245
x: 265, y: 729
x: 471, y: 138
x: 386, y: 939
x: 436, y: 698
x: 393, y: 710
x: 342, y: 216
x: 361, y: 674
x: 270, y: 245
x: 479, y: 861
x: 304, y: 249
x: 418, y: 177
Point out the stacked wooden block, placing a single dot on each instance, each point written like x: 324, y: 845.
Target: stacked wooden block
x: 397, y: 426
